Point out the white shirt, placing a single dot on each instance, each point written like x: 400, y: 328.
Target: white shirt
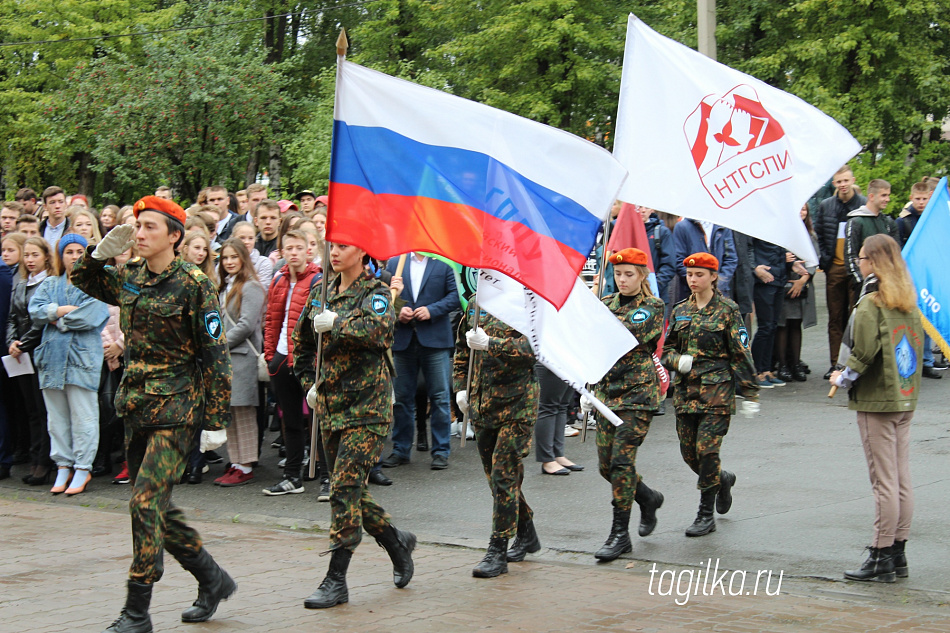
x: 282, y: 347
x: 707, y: 229
x: 52, y: 233
x: 417, y: 269
x: 223, y: 223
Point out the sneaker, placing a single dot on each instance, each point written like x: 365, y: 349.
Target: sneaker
x: 930, y: 372
x: 591, y: 422
x: 278, y: 442
x: 286, y: 486
x: 324, y: 491
x: 455, y: 429
x: 212, y: 457
x: 239, y: 478
x: 123, y: 476
x: 765, y: 383
x: 775, y: 380
x: 227, y: 473
x: 570, y: 431
x: 282, y: 463
x: 439, y: 462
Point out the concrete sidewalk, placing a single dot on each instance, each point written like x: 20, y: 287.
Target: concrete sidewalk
x: 63, y: 568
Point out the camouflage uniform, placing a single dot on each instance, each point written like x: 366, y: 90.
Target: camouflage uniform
x: 177, y: 373
x: 354, y: 402
x: 503, y: 405
x: 704, y: 398
x: 631, y: 389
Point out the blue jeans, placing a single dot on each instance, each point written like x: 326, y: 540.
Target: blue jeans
x: 928, y: 351
x: 435, y: 364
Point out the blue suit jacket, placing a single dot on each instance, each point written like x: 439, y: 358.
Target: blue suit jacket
x: 438, y: 293
x: 688, y: 239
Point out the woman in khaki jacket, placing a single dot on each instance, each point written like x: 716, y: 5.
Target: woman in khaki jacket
x: 883, y: 377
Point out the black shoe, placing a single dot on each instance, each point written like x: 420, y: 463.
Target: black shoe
x: 705, y: 522
x: 277, y: 443
x: 900, y: 560
x: 941, y: 363
x: 422, y: 440
x: 724, y: 497
x: 324, y: 494
x: 439, y: 462
x: 134, y: 617
x: 930, y: 372
x: 394, y: 460
x: 831, y: 370
x: 212, y: 457
x: 526, y: 542
x: 194, y: 476
x: 879, y: 567
x: 377, y: 478
x: 798, y: 375
x: 649, y: 501
x: 214, y: 585
x: 495, y: 562
x: 802, y: 367
x: 4, y: 472
x: 101, y: 470
x: 399, y: 545
x: 618, y: 542
x: 661, y: 410
x: 784, y: 373
x: 332, y: 591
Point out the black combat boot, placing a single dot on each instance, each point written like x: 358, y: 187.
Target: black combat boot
x: 399, y: 545
x: 495, y: 562
x: 619, y: 540
x: 526, y: 542
x: 705, y: 522
x: 214, y: 585
x: 900, y: 561
x: 649, y: 501
x: 332, y: 591
x: 724, y: 499
x: 134, y: 617
x: 879, y: 567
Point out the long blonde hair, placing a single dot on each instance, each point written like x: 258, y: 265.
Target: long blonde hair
x: 895, y: 290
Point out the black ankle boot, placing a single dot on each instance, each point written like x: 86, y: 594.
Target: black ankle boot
x: 526, y: 542
x: 619, y: 540
x: 399, y: 545
x: 649, y: 501
x: 214, y: 585
x: 705, y: 522
x: 784, y: 373
x: 879, y: 567
x: 134, y: 617
x: 332, y: 591
x: 495, y: 562
x: 900, y: 561
x: 724, y: 499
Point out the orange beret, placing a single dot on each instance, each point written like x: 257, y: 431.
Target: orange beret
x: 160, y: 205
x: 702, y: 260
x: 629, y: 256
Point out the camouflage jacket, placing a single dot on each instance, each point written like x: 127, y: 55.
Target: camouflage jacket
x: 504, y: 388
x: 716, y: 338
x: 632, y: 384
x: 357, y: 381
x: 177, y: 364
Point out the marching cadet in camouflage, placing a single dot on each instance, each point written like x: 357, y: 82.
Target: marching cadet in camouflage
x: 354, y: 405
x: 502, y: 408
x: 708, y: 346
x: 177, y: 374
x: 631, y: 389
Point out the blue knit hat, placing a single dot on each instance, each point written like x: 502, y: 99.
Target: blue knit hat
x: 70, y: 238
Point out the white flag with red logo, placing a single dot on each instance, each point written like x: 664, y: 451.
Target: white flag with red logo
x: 704, y: 141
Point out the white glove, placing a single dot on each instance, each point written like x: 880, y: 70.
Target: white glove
x: 116, y: 242
x: 323, y: 322
x: 587, y: 405
x: 312, y: 397
x: 685, y: 364
x: 211, y: 440
x: 461, y: 399
x: 750, y: 408
x: 477, y: 339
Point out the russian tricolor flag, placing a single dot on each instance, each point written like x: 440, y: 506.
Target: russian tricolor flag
x: 416, y: 169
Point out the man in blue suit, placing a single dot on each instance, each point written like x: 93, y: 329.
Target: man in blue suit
x: 423, y: 341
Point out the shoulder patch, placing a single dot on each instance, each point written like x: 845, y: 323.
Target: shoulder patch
x: 641, y: 315
x: 213, y: 324
x: 743, y: 336
x: 197, y: 273
x: 380, y: 303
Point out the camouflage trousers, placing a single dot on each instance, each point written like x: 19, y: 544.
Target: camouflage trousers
x: 700, y: 440
x: 351, y: 453
x: 502, y: 450
x: 156, y: 460
x: 617, y: 453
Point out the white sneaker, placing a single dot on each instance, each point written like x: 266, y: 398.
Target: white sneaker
x: 455, y: 429
x: 570, y: 431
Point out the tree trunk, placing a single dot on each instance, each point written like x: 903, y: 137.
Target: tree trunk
x: 85, y: 175
x: 274, y: 169
x: 253, y: 160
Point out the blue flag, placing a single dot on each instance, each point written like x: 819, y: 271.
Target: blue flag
x: 923, y: 251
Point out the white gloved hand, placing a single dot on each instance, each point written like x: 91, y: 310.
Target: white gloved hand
x: 312, y: 397
x: 587, y: 405
x: 461, y: 399
x: 685, y: 364
x: 211, y: 440
x: 116, y: 242
x: 750, y: 408
x: 323, y: 322
x: 477, y: 339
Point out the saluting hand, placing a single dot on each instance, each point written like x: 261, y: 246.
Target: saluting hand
x: 116, y: 242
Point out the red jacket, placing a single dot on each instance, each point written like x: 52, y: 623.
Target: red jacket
x: 277, y: 301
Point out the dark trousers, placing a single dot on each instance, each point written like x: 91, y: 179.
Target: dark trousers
x: 768, y: 307
x: 36, y: 414
x: 553, y: 401
x: 840, y: 297
x: 290, y: 398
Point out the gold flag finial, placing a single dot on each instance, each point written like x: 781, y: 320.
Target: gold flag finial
x: 342, y: 44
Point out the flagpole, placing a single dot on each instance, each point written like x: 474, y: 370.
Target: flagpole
x: 468, y: 378
x: 341, y: 45
x: 601, y: 282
